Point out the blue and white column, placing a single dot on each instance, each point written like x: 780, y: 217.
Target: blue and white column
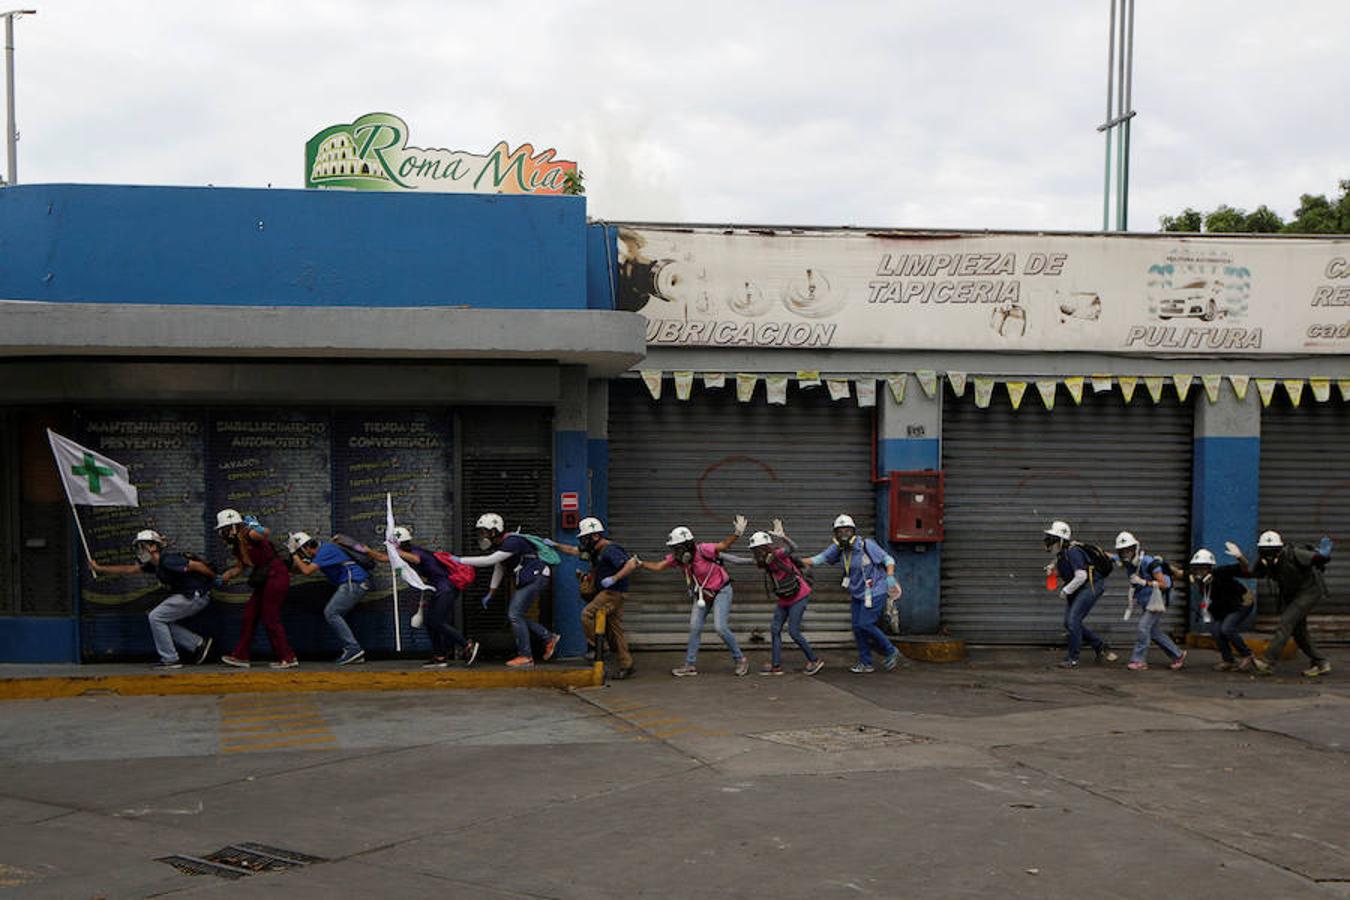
x: 909, y: 437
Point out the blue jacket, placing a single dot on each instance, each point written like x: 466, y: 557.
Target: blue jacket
x: 865, y: 564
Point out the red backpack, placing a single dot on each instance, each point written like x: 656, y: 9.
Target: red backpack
x: 461, y: 575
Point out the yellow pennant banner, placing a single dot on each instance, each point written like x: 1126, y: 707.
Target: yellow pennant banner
x: 775, y: 387
x: 1127, y: 385
x: 808, y: 379
x: 1344, y: 385
x: 684, y: 384
x: 1101, y: 383
x: 745, y: 386
x: 1321, y: 389
x: 1154, y: 383
x: 1015, y: 391
x: 1212, y: 383
x: 1294, y: 388
x: 1047, y: 388
x: 928, y: 381
x: 1266, y: 388
x: 867, y: 391
x: 1075, y: 386
x: 984, y: 390
x: 714, y: 379
x: 958, y: 380
x: 652, y: 378
x: 897, y: 385
x: 1183, y: 385
x: 838, y: 388
x: 1240, y: 383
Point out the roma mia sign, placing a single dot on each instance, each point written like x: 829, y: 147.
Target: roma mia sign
x: 372, y: 154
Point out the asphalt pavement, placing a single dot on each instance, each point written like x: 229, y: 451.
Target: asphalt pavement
x: 1000, y: 776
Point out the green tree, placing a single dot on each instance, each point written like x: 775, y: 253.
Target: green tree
x: 1188, y: 220
x: 1263, y: 220
x: 1315, y: 215
x: 1226, y: 220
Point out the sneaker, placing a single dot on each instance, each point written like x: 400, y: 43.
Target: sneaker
x: 235, y: 661
x: 159, y: 666
x: 1322, y: 667
x: 470, y: 653
x: 890, y: 662
x: 520, y: 662
x: 351, y: 656
x: 436, y: 662
x: 742, y: 667
x: 1245, y: 663
x: 1262, y: 667
x: 625, y: 672
x: 684, y: 671
x: 770, y: 669
x: 551, y: 645
x: 203, y: 652
x: 1105, y: 653
x: 1067, y: 664
x: 1136, y: 665
x: 1179, y: 661
x: 1224, y: 666
x: 291, y: 663
x: 814, y: 666
x: 861, y: 669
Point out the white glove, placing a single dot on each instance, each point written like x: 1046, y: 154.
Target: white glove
x: 1137, y: 581
x: 777, y: 528
x: 417, y: 618
x: 1064, y: 594
x: 1232, y: 549
x: 740, y: 523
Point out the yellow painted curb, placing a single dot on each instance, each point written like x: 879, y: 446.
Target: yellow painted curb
x: 933, y: 649
x: 1257, y: 644
x: 267, y: 681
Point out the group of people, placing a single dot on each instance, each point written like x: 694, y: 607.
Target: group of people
x: 1080, y: 571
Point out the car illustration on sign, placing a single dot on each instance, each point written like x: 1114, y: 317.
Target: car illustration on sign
x: 1194, y: 300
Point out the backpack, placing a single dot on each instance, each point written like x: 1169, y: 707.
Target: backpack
x: 1102, y: 564
x: 787, y: 585
x: 547, y: 555
x: 355, y: 550
x: 461, y: 574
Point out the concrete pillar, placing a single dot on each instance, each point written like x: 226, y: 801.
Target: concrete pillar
x: 1225, y: 478
x: 596, y: 501
x: 908, y: 437
x: 570, y: 465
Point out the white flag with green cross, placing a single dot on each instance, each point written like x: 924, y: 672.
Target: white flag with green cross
x: 91, y: 478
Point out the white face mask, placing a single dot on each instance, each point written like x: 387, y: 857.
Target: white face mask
x: 142, y: 555
x: 484, y: 543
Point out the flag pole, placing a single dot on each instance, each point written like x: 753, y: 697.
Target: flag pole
x: 393, y: 563
x: 398, y: 637
x: 79, y: 527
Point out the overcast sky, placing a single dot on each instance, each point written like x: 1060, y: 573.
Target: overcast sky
x: 979, y: 113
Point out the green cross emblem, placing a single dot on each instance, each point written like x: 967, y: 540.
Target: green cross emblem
x: 93, y: 471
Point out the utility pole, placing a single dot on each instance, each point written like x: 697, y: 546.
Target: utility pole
x: 1119, y: 112
x: 12, y: 133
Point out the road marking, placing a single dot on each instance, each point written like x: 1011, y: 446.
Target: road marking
x: 260, y: 722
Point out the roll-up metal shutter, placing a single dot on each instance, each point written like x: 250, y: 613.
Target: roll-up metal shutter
x: 1304, y: 491
x: 700, y: 462
x: 1103, y: 466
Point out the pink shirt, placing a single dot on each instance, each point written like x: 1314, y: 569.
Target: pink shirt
x: 704, y: 569
x: 780, y: 564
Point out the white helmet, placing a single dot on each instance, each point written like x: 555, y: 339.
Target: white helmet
x: 1270, y: 539
x: 1060, y: 530
x: 760, y: 539
x: 491, y: 522
x: 402, y: 535
x: 148, y: 536
x: 1125, y: 540
x: 227, y: 517
x: 1202, y: 557
x: 296, y: 540
x: 590, y: 525
x: 844, y: 521
x: 679, y: 535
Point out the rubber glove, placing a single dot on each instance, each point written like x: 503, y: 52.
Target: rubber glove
x: 550, y: 542
x: 892, y: 588
x: 777, y: 528
x: 607, y: 582
x: 739, y: 523
x: 487, y: 598
x: 417, y: 618
x: 1324, y: 547
x: 1232, y: 549
x: 252, y: 522
x: 1137, y: 581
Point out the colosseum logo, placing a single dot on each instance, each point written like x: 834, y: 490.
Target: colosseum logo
x: 372, y: 154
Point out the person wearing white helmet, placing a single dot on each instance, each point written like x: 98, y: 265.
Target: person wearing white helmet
x: 1150, y: 588
x: 869, y: 578
x: 189, y: 582
x: 1297, y: 573
x: 270, y: 579
x: 788, y: 586
x: 435, y: 616
x: 1225, y: 606
x: 351, y: 580
x: 1083, y: 586
x: 706, y: 581
x: 531, y: 577
x: 610, y: 567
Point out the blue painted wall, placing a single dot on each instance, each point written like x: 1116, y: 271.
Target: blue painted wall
x: 29, y: 639
x: 250, y: 247
x: 570, y: 462
x: 601, y: 265
x: 918, y: 566
x: 1225, y: 498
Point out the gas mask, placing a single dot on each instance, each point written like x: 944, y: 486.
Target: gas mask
x: 1127, y: 554
x: 684, y: 553
x: 844, y: 536
x: 586, y: 544
x: 230, y: 535
x: 1051, y: 544
x: 1202, y: 576
x: 1269, y: 554
x: 143, y: 553
x: 485, y: 539
x: 761, y: 555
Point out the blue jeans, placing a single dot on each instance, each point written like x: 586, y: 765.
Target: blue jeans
x: 443, y: 635
x: 793, y: 616
x: 167, y: 633
x: 521, y: 627
x: 1227, y: 633
x: 865, y: 630
x: 1080, y: 604
x: 721, y: 606
x: 344, y: 599
x: 1150, y: 629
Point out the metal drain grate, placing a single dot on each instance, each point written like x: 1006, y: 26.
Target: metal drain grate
x: 241, y: 860
x: 838, y: 738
